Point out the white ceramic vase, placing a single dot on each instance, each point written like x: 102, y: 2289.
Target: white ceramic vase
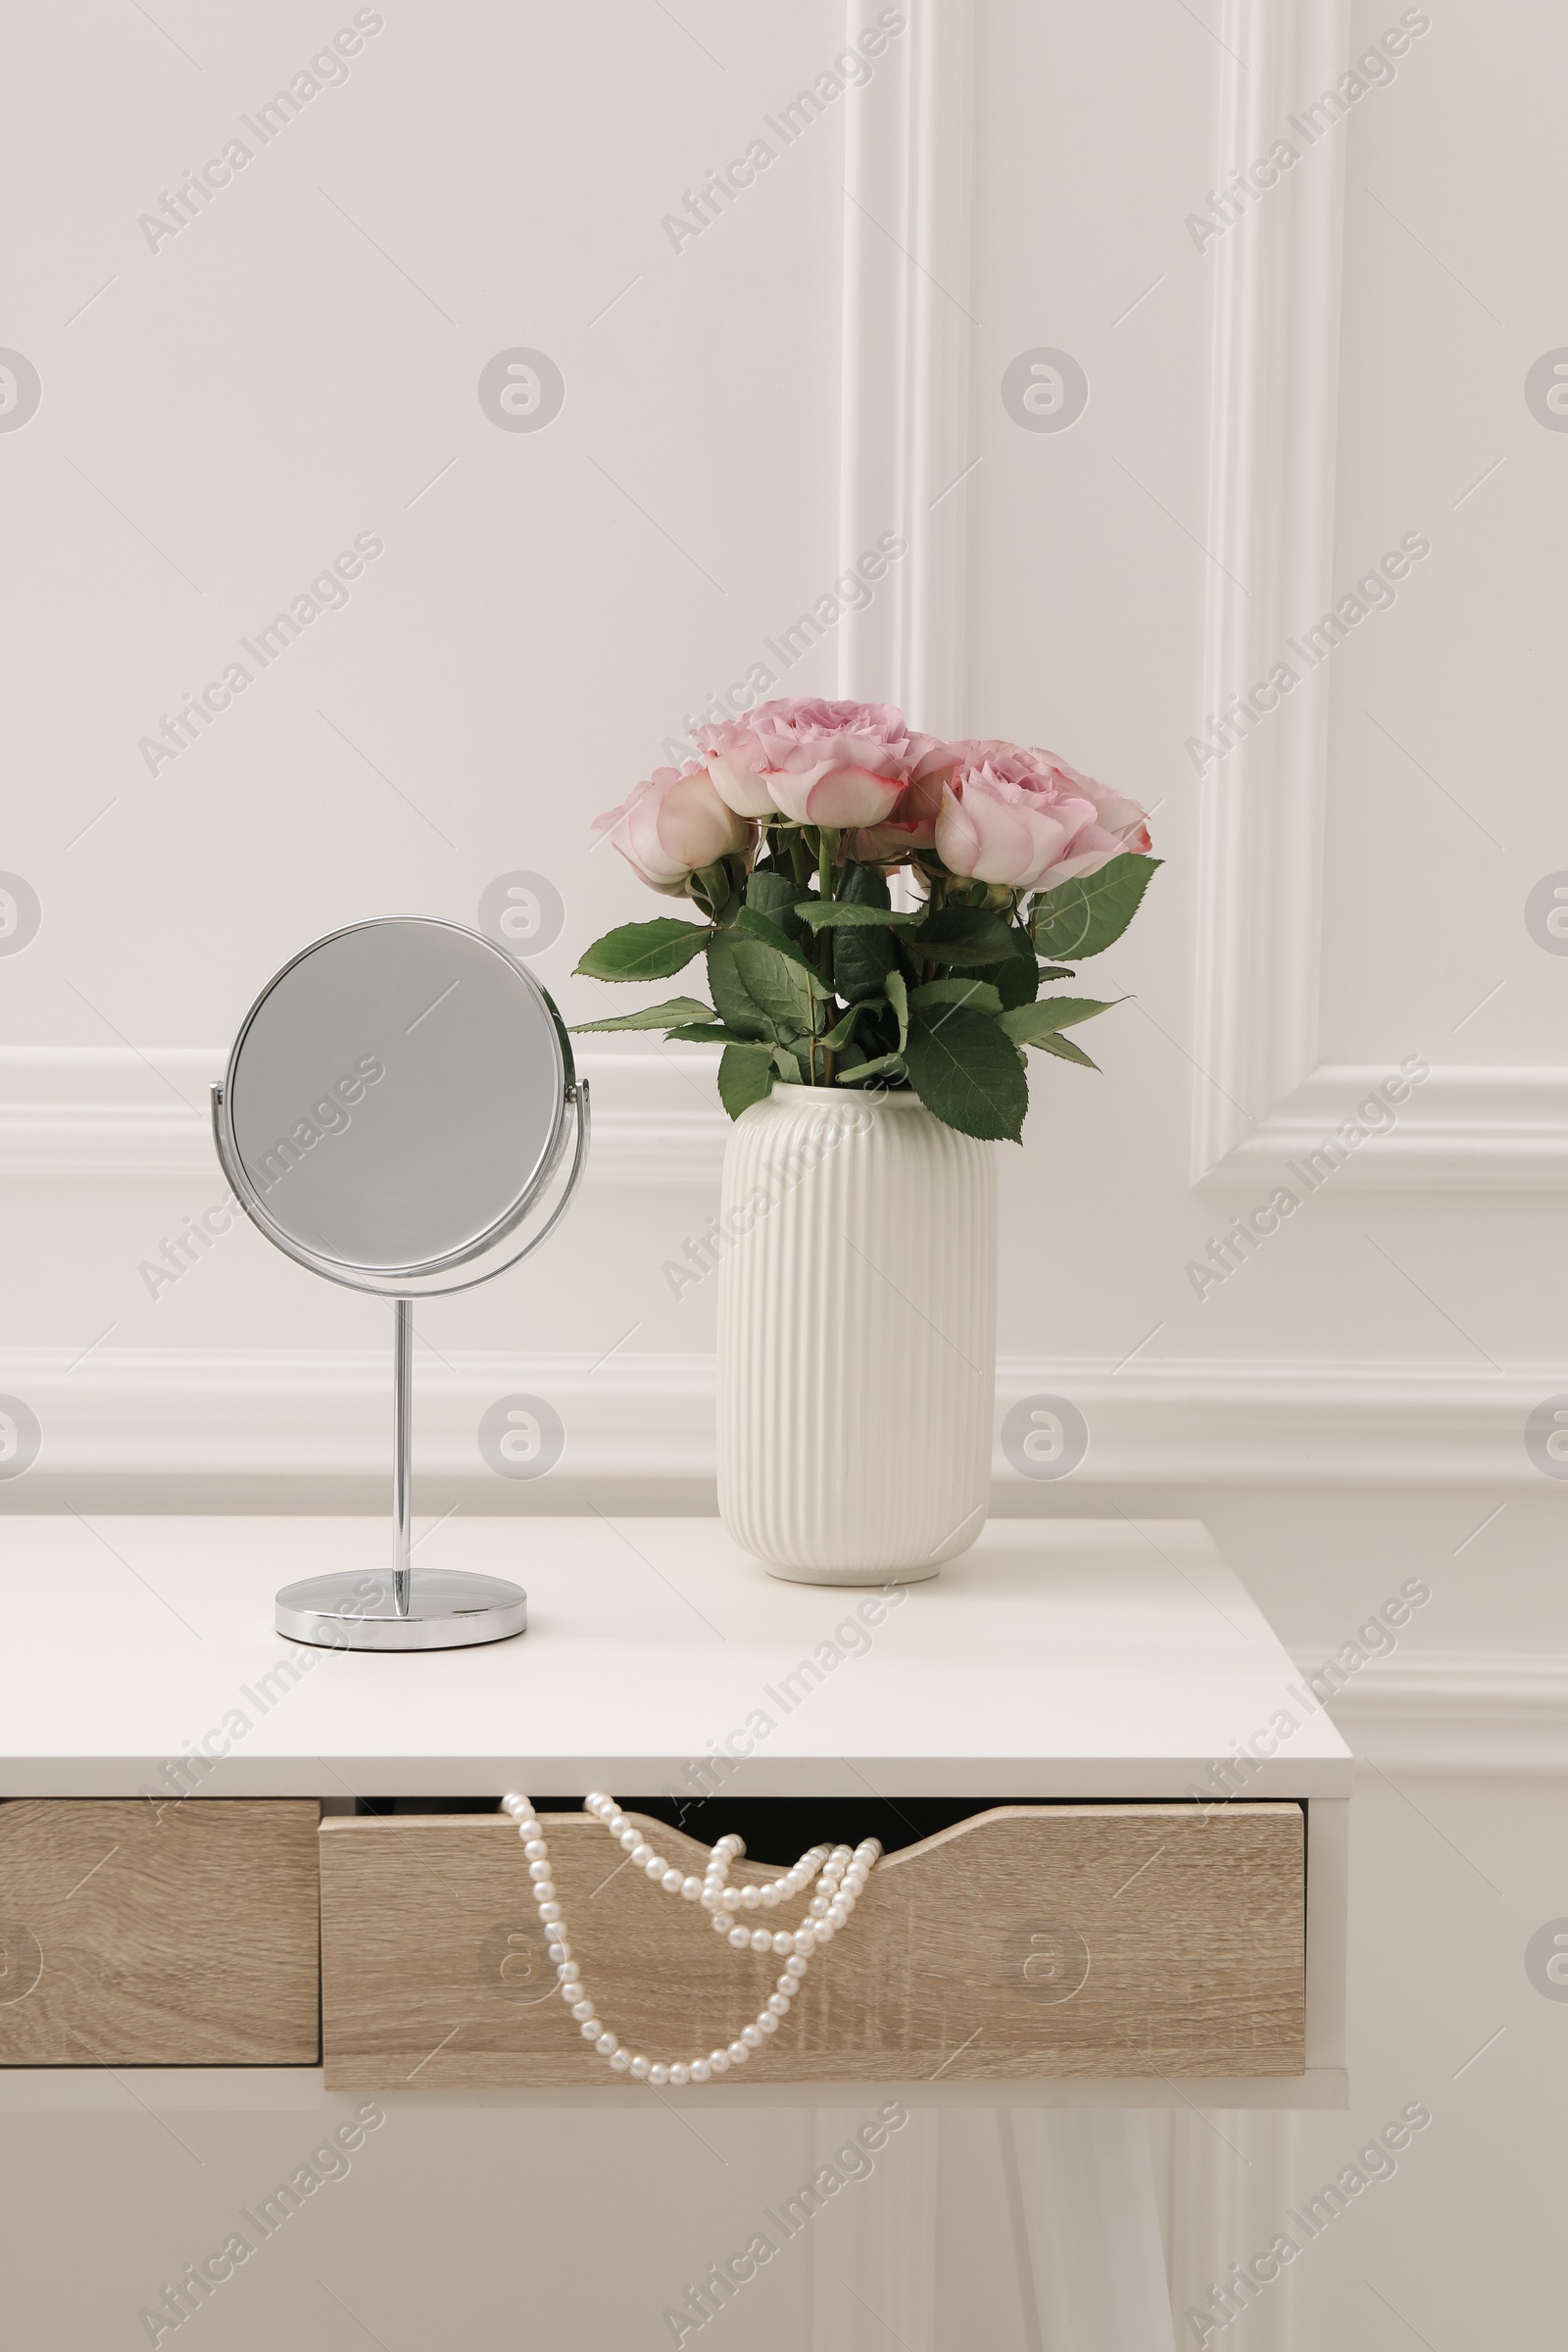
x: 856, y: 1336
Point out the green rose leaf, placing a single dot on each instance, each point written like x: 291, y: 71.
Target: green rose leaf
x: 968, y: 1073
x: 978, y: 995
x: 961, y: 935
x: 1065, y: 1050
x: 848, y: 915
x: 862, y: 955
x: 1082, y: 916
x: 872, y: 1069
x: 736, y: 1007
x: 899, y: 998
x: 1031, y: 1024
x: 784, y: 989
x: 644, y: 950
x: 652, y: 1016
x: 1019, y: 978
x: 706, y: 1033
x: 777, y: 897
x: 745, y: 1076
x: 754, y: 928
x: 841, y: 1031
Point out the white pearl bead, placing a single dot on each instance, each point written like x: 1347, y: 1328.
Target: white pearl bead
x: 557, y: 1949
x: 761, y: 1941
x: 680, y: 2076
x: 739, y: 2052
x: 581, y: 2010
x: 804, y: 1942
x: 536, y: 1850
x: 751, y: 1897
x: 769, y: 1896
x: 544, y: 1891
x: 709, y: 1896
x: 673, y: 1883
x: 549, y: 1910
x: 513, y: 1802
x: 619, y: 2061
x: 796, y: 1969
x: 825, y: 1930
x: 568, y: 1970
x: 718, y: 2062
x: 591, y: 2027
x: 655, y: 1865
x: 739, y: 1938
x: 751, y: 2036
x: 658, y: 2076
x: 607, y: 2046
x: 594, y: 1800
x: 701, y: 2070
x: 721, y: 1921
x: 631, y: 1839
x: 641, y: 2069
x: 782, y: 1942
x: 837, y: 1915
x: 567, y: 1992
x: 779, y: 2003
x: 730, y: 1897
x: 642, y: 1852
x: 539, y: 1868
x: 691, y: 1890
x: 816, y: 1908
x: 766, y: 2023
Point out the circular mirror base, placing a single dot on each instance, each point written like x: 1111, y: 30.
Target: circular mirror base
x: 447, y: 1609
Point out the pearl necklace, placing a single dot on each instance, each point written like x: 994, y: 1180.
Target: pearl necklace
x: 838, y: 1875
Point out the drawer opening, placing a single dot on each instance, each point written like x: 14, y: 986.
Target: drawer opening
x: 776, y: 1829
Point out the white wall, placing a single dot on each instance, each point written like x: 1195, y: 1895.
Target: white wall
x: 1347, y: 888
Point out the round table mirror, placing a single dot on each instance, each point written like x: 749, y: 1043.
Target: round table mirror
x: 396, y: 1106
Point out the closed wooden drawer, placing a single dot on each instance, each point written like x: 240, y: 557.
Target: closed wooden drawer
x: 133, y: 1935
x: 1028, y: 1941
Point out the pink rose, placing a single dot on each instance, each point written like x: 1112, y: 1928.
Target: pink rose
x: 816, y: 763
x: 1023, y: 819
x: 674, y: 824
x: 1119, y: 824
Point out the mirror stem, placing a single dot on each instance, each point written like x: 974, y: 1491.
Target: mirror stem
x: 402, y: 1448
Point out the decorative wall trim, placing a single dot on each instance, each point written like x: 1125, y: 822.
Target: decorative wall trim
x: 1503, y: 1129
x: 186, y: 1413
x: 905, y: 365
x: 110, y: 1112
x: 1271, y: 531
x: 1259, y: 1091
x: 1457, y: 1712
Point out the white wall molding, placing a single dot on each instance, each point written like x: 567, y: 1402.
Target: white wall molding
x: 1500, y: 1129
x: 175, y: 1413
x: 1487, y: 1713
x: 1271, y: 532
x: 110, y: 1113
x: 1260, y: 1093
x: 904, y: 415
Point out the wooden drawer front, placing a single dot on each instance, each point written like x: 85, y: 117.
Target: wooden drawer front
x: 137, y: 1936
x: 1028, y: 1941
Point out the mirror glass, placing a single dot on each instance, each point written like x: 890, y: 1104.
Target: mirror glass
x: 398, y: 1095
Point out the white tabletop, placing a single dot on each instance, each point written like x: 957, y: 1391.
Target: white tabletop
x: 1070, y: 1659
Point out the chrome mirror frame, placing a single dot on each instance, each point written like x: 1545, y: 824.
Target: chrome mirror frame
x: 408, y: 1608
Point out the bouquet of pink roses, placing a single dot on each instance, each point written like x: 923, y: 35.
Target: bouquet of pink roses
x: 784, y: 836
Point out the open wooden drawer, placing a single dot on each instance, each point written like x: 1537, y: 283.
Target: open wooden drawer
x: 159, y: 1934
x: 1025, y: 1942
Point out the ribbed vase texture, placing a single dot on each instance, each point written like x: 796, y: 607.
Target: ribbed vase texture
x: 856, y: 1336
